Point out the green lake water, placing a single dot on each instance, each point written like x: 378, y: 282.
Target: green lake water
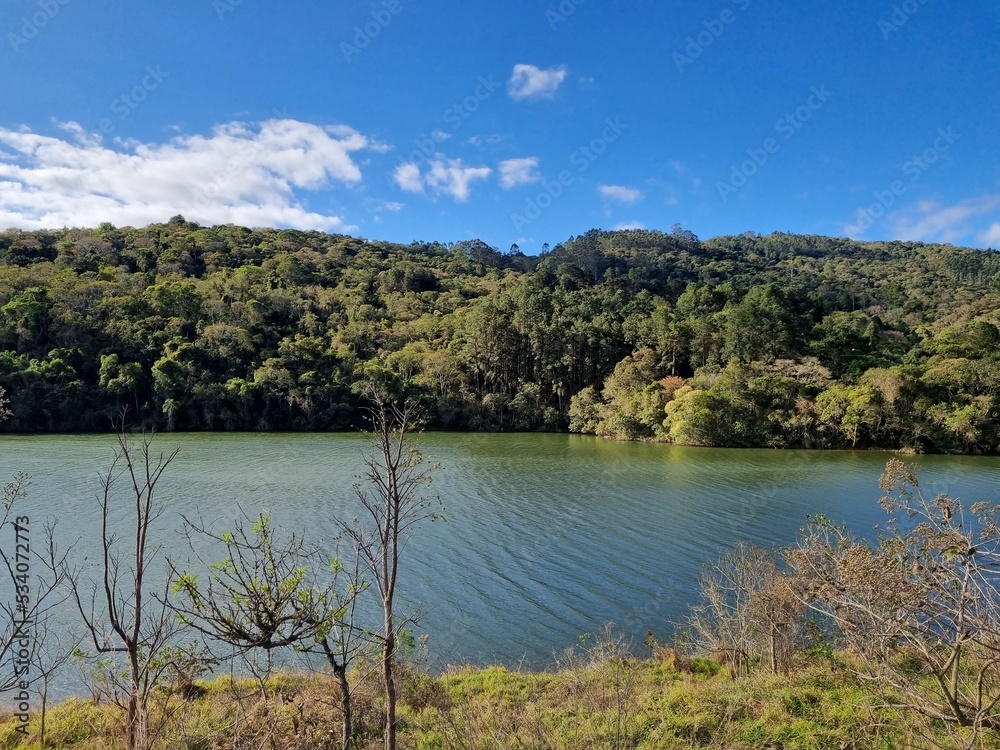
x: 546, y: 537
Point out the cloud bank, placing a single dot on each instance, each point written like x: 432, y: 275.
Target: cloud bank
x: 241, y: 173
x: 930, y: 220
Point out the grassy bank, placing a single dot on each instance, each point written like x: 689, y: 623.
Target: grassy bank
x: 588, y: 702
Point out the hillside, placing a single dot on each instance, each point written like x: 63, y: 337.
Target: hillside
x: 778, y: 340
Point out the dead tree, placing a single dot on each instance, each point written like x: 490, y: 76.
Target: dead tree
x: 126, y: 616
x: 54, y: 647
x: 747, y: 612
x: 32, y: 574
x: 339, y: 638
x: 392, y: 506
x: 920, y: 609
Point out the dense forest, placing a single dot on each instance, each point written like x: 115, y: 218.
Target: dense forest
x: 778, y: 340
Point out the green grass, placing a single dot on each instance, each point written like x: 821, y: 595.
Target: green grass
x: 638, y: 705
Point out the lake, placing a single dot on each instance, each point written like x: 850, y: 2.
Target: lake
x: 546, y: 538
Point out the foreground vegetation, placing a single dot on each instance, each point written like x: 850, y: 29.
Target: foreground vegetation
x: 594, y: 701
x: 778, y: 341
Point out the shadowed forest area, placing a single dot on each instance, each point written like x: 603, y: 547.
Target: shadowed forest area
x: 778, y: 340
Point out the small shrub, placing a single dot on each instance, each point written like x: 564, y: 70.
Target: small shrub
x: 420, y: 691
x: 801, y: 705
x: 705, y: 667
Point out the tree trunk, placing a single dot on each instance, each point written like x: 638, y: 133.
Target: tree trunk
x: 345, y: 706
x: 137, y: 739
x: 130, y: 717
x: 45, y: 700
x: 390, y: 688
x: 774, y: 648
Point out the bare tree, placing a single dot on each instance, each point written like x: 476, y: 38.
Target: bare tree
x: 921, y: 609
x: 611, y: 653
x: 33, y: 569
x: 122, y: 613
x: 268, y: 594
x: 747, y: 612
x: 18, y: 607
x: 393, y: 505
x: 54, y: 647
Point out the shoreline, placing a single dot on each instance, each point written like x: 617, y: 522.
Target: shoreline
x: 163, y: 434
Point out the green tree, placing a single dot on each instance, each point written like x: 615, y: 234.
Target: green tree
x: 267, y: 593
x: 692, y: 417
x: 634, y: 398
x: 759, y: 327
x: 855, y: 412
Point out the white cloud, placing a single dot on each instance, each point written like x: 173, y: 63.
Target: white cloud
x: 453, y: 178
x: 530, y: 82
x: 440, y: 135
x: 620, y: 193
x: 242, y: 173
x: 930, y: 221
x: 378, y: 206
x: 631, y: 225
x: 991, y: 236
x: 407, y: 176
x: 489, y: 140
x: 79, y: 134
x: 514, y: 172
x: 445, y: 176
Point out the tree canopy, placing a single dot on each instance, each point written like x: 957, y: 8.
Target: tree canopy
x: 777, y: 340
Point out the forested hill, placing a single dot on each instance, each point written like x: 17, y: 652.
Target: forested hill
x: 778, y: 340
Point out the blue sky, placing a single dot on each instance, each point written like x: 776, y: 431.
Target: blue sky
x: 527, y: 121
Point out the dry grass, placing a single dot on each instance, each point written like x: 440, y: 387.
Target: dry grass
x: 606, y: 702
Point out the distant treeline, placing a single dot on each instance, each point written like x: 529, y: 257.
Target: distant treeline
x: 778, y: 340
